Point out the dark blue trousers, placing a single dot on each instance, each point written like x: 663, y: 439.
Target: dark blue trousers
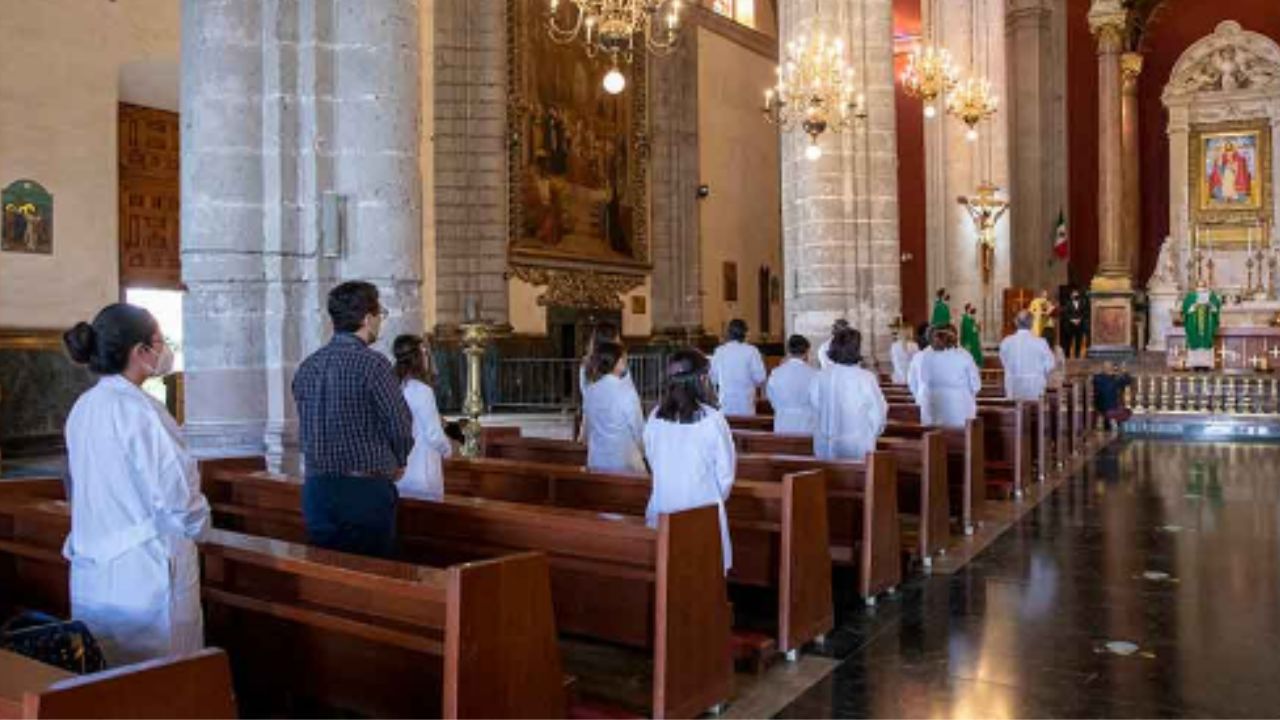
x: 351, y: 514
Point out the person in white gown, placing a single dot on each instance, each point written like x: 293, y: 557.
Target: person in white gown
x: 1027, y: 361
x: 136, y: 505
x: 689, y: 446
x: 737, y: 369
x: 849, y: 409
x: 424, y: 473
x: 824, y: 350
x: 788, y: 389
x: 612, y: 420
x: 901, y: 353
x: 946, y: 381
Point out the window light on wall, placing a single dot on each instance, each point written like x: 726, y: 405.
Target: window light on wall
x: 740, y: 11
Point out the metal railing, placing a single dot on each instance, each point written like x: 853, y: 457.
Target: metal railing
x: 538, y: 384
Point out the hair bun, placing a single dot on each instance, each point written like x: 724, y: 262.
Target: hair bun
x: 81, y: 342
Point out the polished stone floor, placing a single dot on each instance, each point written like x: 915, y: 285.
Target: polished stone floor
x: 1148, y: 585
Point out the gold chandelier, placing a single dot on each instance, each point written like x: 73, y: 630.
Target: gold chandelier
x: 814, y: 91
x: 972, y: 102
x: 929, y: 75
x: 617, y: 28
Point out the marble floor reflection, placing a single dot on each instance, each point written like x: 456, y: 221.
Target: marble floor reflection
x: 1146, y: 586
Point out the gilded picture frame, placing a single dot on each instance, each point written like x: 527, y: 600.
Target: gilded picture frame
x: 1230, y: 182
x: 578, y: 190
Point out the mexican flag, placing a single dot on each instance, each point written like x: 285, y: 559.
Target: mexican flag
x: 1060, y: 248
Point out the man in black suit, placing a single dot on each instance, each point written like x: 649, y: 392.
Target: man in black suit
x: 1075, y: 319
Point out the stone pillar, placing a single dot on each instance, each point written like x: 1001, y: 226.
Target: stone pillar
x: 1131, y: 237
x: 840, y: 213
x: 1112, y: 286
x: 1036, y: 140
x: 956, y: 166
x: 285, y: 104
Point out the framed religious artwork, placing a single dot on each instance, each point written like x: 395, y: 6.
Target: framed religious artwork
x: 578, y: 176
x: 28, y: 218
x: 1230, y: 171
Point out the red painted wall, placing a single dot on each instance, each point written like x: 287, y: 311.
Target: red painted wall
x: 911, y: 174
x: 1172, y: 29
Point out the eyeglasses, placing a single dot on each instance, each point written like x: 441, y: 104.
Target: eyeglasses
x: 384, y: 313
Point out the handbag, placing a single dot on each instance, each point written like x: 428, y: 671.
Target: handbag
x: 66, y: 644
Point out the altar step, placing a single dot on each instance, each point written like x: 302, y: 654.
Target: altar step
x: 1204, y: 426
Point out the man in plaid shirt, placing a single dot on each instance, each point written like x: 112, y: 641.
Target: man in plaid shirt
x: 356, y: 430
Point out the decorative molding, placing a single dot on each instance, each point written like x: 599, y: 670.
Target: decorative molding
x: 585, y: 289
x: 1232, y: 59
x: 1131, y: 65
x: 1108, y: 21
x: 41, y: 339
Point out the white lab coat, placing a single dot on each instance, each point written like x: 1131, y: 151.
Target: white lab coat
x: 914, y: 383
x: 1027, y: 362
x: 824, y: 360
x: 946, y: 387
x: 737, y: 370
x: 901, y: 354
x: 424, y: 473
x: 693, y: 466
x: 788, y: 391
x: 613, y: 425
x: 850, y: 412
x: 136, y: 509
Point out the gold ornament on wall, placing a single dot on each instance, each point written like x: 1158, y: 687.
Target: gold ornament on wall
x: 584, y: 289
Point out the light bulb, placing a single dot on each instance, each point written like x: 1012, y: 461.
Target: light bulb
x: 971, y: 135
x: 615, y: 82
x: 930, y: 111
x: 813, y: 152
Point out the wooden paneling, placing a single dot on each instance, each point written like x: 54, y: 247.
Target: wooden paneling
x: 149, y: 198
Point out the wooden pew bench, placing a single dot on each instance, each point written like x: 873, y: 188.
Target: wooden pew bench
x: 1007, y: 445
x: 356, y: 634
x: 921, y: 484
x: 856, y: 506
x: 612, y: 578
x: 778, y: 530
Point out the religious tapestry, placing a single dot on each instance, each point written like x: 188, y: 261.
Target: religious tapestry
x: 28, y: 218
x: 577, y: 164
x: 1230, y: 181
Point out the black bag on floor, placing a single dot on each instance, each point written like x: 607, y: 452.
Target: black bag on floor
x: 65, y: 644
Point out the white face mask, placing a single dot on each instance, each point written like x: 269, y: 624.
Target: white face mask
x: 165, y: 364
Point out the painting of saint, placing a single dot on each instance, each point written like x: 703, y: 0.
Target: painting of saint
x: 580, y: 192
x: 1231, y: 175
x: 28, y: 218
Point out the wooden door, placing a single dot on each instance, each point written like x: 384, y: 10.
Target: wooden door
x: 149, y: 199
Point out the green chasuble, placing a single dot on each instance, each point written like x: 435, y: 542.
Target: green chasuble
x: 1200, y: 319
x: 970, y: 338
x: 941, y: 313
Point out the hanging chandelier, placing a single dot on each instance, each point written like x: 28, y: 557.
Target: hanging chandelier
x: 814, y: 91
x: 929, y: 75
x: 971, y: 102
x: 617, y: 28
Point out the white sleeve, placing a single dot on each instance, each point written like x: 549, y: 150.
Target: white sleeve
x: 878, y: 409
x: 915, y: 376
x: 158, y: 453
x: 770, y: 389
x: 1047, y: 357
x: 726, y: 458
x: 975, y: 377
x: 758, y: 373
x: 425, y: 411
x: 635, y: 414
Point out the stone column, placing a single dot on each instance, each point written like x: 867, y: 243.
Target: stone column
x: 1036, y: 192
x: 840, y: 213
x: 285, y: 106
x: 1112, y: 286
x: 1130, y: 68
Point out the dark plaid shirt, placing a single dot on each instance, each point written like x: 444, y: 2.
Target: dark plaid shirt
x: 351, y: 412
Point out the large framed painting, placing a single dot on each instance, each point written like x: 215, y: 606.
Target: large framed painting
x: 578, y: 166
x: 1230, y: 180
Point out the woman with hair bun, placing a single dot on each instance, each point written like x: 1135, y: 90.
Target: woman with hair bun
x: 848, y: 406
x: 689, y: 446
x: 136, y: 505
x: 424, y: 472
x: 946, y: 382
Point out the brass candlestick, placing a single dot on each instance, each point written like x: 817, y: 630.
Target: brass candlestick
x: 474, y: 337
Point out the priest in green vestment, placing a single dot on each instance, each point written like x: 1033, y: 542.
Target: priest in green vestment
x: 941, y: 310
x: 1201, y: 312
x: 971, y: 334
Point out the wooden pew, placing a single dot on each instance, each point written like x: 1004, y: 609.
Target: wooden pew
x: 1006, y: 445
x: 193, y: 686
x: 363, y: 635
x: 922, y: 477
x: 862, y: 502
x: 612, y: 578
x: 778, y: 530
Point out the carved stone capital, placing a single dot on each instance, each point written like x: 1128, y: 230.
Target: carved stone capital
x: 586, y: 289
x: 1108, y: 21
x: 1131, y: 65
